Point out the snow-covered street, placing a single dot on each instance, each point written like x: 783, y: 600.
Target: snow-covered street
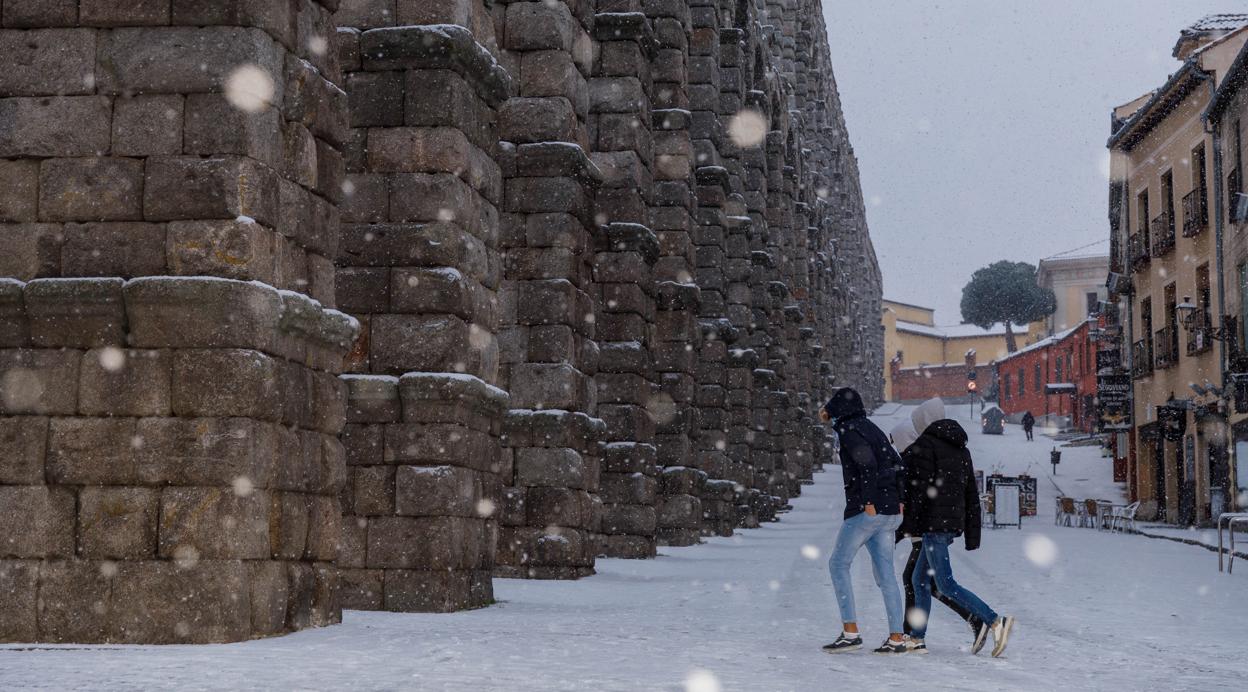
x: 1095, y: 611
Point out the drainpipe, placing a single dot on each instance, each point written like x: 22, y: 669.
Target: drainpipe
x: 1218, y: 230
x: 1215, y: 131
x: 1124, y: 218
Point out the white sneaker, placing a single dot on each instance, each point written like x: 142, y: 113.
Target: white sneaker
x: 1001, y: 634
x: 915, y: 646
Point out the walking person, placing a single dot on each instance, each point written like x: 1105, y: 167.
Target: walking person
x: 873, y: 489
x: 904, y: 434
x: 1029, y: 422
x: 943, y: 500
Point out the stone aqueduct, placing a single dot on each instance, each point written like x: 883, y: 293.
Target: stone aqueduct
x: 597, y: 262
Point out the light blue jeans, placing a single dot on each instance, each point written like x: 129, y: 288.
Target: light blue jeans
x: 878, y: 534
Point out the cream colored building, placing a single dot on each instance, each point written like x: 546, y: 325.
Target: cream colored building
x: 1078, y: 282
x: 911, y: 333
x: 1228, y: 118
x: 1163, y: 179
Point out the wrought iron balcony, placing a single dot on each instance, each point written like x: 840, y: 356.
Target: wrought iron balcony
x: 1166, y: 343
x: 1195, y: 213
x: 1163, y: 234
x: 1199, y: 334
x: 1234, y: 188
x: 1142, y: 358
x: 1137, y: 250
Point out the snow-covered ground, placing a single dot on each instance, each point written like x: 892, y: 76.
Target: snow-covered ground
x: 1095, y: 610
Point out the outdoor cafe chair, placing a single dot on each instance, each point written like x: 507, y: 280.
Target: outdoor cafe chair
x: 1125, y: 516
x: 1088, y: 514
x: 1068, y: 512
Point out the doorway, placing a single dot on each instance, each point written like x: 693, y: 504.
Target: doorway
x: 1185, y: 475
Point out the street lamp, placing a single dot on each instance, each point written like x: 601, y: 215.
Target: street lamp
x: 1187, y: 315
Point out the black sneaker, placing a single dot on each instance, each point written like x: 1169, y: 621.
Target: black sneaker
x: 843, y: 644
x: 915, y: 646
x: 891, y: 647
x: 981, y: 637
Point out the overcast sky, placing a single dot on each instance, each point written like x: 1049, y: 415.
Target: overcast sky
x: 980, y: 125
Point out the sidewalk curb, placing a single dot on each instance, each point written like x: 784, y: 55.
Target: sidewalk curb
x: 1188, y: 541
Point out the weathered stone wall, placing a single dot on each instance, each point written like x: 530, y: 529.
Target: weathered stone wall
x: 169, y: 453
x: 420, y: 267
x: 605, y: 260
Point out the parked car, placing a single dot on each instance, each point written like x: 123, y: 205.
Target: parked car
x: 993, y: 421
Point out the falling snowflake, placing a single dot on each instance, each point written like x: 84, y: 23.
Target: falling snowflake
x: 112, y: 359
x: 810, y: 552
x: 700, y: 680
x: 249, y: 89
x: 318, y: 45
x: 1040, y: 550
x: 747, y: 129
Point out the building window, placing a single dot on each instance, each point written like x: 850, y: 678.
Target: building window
x: 1094, y: 303
x: 1243, y: 303
x: 1057, y: 369
x: 1022, y: 383
x: 1039, y: 379
x: 1006, y: 388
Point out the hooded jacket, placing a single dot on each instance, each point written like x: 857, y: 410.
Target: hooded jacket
x: 941, y: 495
x: 871, y: 467
x: 903, y: 435
x: 927, y: 413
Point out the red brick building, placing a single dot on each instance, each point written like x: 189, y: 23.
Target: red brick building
x: 1054, y: 377
x: 946, y: 381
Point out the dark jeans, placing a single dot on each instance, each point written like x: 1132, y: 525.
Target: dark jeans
x: 1028, y: 431
x: 935, y: 556
x: 907, y: 577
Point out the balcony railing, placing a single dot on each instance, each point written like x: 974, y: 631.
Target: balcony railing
x: 1198, y: 334
x: 1234, y: 188
x: 1163, y: 234
x: 1142, y: 358
x: 1195, y: 213
x: 1166, y: 342
x: 1137, y: 250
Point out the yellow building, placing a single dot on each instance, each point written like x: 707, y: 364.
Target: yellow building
x: 1164, y: 241
x: 911, y: 334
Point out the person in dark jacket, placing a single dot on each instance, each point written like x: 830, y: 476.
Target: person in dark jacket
x: 1029, y: 422
x: 943, y: 500
x: 905, y: 434
x: 873, y: 490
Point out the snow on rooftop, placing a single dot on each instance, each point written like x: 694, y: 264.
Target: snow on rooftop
x: 957, y: 331
x: 1218, y: 22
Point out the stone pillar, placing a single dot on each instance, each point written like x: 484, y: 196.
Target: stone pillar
x: 169, y: 406
x: 552, y: 516
x: 620, y: 127
x: 420, y: 267
x: 679, y: 505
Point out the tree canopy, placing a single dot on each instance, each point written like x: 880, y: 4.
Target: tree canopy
x: 1006, y: 292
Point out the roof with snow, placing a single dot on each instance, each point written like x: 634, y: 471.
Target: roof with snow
x: 1217, y: 22
x: 957, y: 331
x: 1045, y: 342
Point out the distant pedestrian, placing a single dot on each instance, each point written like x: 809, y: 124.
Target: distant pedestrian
x: 943, y: 502
x: 1029, y: 422
x: 904, y: 435
x: 873, y: 488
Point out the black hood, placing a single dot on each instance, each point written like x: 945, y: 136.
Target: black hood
x: 949, y: 431
x: 845, y: 403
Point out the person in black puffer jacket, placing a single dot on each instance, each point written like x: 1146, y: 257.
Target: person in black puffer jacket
x: 942, y: 502
x: 873, y: 488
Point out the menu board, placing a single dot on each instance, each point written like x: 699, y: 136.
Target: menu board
x: 1027, y: 497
